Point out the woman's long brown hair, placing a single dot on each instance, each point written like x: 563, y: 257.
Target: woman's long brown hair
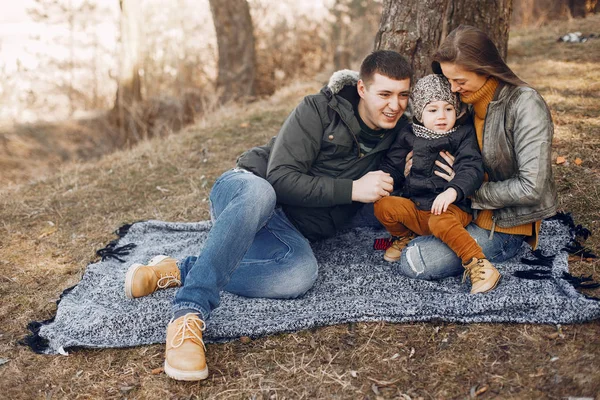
x: 473, y: 50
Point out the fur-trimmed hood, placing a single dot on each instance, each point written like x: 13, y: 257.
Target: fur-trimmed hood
x: 342, y: 78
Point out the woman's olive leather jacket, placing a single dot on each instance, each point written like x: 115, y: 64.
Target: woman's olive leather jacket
x: 517, y: 140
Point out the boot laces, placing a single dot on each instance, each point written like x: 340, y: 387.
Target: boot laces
x: 475, y: 273
x: 400, y: 242
x: 166, y: 280
x: 189, y: 328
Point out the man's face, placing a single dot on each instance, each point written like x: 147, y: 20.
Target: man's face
x: 383, y: 101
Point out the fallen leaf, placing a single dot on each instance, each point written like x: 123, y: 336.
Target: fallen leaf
x: 476, y: 391
x: 245, y: 339
x: 244, y: 124
x: 553, y: 335
x: 481, y: 391
x: 50, y: 230
x: 158, y: 370
x: 578, y: 161
x: 560, y: 160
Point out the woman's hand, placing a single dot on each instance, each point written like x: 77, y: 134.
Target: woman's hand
x: 448, y: 173
x: 408, y: 164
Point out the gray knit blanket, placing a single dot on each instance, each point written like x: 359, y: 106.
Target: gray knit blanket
x: 354, y: 284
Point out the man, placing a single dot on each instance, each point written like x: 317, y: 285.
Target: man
x: 320, y: 174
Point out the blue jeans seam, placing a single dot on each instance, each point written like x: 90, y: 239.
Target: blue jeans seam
x: 191, y: 306
x: 278, y: 259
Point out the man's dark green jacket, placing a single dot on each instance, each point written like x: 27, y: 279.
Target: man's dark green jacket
x: 315, y: 157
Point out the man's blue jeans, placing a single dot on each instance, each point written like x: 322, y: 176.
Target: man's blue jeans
x: 427, y: 257
x: 252, y: 249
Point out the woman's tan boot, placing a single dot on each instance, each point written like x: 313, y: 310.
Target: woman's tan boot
x: 483, y: 275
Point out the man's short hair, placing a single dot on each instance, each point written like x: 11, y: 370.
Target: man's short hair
x: 387, y: 63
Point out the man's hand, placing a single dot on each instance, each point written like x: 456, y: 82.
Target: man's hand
x: 449, y: 172
x: 372, y: 187
x: 443, y: 200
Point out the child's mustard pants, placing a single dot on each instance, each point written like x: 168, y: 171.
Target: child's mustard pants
x: 400, y: 216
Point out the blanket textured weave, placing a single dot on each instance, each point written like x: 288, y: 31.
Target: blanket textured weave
x: 354, y: 284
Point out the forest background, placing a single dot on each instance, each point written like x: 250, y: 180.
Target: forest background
x: 80, y: 78
x: 77, y: 162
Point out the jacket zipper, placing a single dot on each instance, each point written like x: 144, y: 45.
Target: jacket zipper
x: 337, y: 110
x: 482, y: 143
x: 353, y: 136
x: 493, y: 227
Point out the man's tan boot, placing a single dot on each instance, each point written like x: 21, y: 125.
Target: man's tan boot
x: 483, y: 275
x: 160, y: 273
x: 185, y: 358
x: 394, y: 252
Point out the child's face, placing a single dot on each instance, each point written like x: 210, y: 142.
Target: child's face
x: 439, y: 116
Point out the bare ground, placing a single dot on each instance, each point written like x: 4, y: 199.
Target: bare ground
x: 51, y: 228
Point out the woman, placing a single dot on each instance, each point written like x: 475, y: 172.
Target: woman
x: 514, y: 132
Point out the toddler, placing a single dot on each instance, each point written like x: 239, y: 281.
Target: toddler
x: 429, y: 204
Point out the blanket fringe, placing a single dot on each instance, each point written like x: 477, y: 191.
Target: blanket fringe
x: 540, y: 259
x: 34, y: 341
x: 40, y: 345
x: 534, y: 274
x: 583, y: 282
x: 577, y: 232
x: 111, y: 251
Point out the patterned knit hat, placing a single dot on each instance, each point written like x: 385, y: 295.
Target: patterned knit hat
x: 433, y: 88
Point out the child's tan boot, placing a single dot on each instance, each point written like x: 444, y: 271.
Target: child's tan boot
x: 394, y: 252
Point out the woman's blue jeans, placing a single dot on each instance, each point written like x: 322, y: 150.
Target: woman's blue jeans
x: 252, y: 249
x: 427, y: 257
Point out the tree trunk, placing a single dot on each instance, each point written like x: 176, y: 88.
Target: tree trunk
x: 237, y: 58
x: 577, y: 8
x: 415, y: 28
x: 130, y: 87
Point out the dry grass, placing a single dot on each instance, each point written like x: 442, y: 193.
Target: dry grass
x: 51, y: 228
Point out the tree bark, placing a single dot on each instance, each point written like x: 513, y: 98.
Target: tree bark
x: 415, y: 28
x: 577, y: 8
x: 237, y: 57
